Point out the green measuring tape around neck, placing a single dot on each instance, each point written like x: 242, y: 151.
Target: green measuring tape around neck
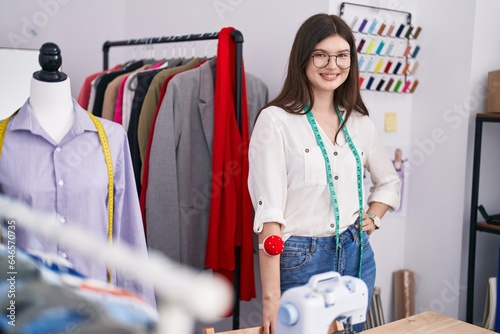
x: 109, y: 164
x: 359, y: 172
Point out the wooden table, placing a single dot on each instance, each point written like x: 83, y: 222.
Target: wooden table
x: 428, y: 322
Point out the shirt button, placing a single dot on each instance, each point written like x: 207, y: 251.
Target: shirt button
x: 331, y: 225
x: 62, y: 220
x: 64, y: 255
x: 336, y: 177
x: 307, y: 150
x: 58, y: 149
x: 61, y: 182
x: 335, y: 153
x: 260, y: 202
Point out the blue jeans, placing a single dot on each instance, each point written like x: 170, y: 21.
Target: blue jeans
x: 304, y: 257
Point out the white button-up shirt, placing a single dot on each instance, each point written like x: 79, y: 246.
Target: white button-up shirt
x: 287, y: 178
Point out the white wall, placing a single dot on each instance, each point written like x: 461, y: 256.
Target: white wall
x: 435, y: 224
x: 485, y: 51
x: 78, y: 27
x: 15, y: 65
x: 460, y: 53
x: 432, y: 239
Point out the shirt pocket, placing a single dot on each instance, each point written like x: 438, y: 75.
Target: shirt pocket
x: 307, y: 167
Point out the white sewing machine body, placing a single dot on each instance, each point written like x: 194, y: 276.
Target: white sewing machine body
x: 313, y: 308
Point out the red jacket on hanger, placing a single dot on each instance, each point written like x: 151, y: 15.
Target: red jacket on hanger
x: 230, y: 223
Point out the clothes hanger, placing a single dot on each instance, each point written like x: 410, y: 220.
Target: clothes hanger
x: 148, y: 52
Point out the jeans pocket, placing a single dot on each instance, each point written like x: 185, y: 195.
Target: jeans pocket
x: 293, y: 258
x: 356, y: 236
x: 366, y: 239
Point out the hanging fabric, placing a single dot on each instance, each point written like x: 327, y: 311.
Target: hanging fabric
x: 146, y: 132
x: 230, y: 223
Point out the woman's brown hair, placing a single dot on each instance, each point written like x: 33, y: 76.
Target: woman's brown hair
x: 296, y: 92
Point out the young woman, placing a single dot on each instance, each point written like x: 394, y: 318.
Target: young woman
x: 307, y: 153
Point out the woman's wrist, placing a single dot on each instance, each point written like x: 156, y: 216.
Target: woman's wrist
x: 375, y: 219
x: 271, y: 294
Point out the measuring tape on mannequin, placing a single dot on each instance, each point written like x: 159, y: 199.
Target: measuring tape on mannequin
x: 111, y: 180
x: 109, y: 164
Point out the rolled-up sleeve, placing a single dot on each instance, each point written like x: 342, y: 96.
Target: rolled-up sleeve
x: 386, y: 183
x: 267, y: 180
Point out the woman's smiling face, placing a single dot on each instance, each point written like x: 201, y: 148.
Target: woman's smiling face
x: 330, y: 77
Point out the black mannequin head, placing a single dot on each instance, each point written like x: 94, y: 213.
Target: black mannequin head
x: 50, y: 60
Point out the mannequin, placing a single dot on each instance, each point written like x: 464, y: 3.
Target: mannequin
x: 58, y: 159
x: 50, y: 94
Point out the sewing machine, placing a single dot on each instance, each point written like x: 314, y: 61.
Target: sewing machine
x: 319, y: 306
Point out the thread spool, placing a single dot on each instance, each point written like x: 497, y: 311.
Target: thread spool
x: 404, y: 294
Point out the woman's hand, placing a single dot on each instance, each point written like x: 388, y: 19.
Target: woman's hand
x: 375, y: 208
x: 270, y: 307
x: 368, y: 224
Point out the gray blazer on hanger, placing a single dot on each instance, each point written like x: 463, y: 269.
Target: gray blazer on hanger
x: 180, y: 165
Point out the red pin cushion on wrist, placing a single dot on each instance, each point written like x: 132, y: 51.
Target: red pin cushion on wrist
x: 272, y: 245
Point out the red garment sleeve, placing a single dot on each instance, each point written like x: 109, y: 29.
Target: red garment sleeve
x: 230, y: 222
x: 84, y: 95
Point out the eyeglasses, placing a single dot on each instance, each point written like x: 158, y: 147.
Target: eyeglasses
x: 321, y: 60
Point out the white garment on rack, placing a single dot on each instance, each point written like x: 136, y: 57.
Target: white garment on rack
x: 93, y: 85
x: 128, y: 97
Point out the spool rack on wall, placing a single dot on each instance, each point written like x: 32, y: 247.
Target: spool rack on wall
x: 386, y: 45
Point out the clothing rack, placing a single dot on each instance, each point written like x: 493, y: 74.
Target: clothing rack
x: 236, y: 34
x: 238, y: 39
